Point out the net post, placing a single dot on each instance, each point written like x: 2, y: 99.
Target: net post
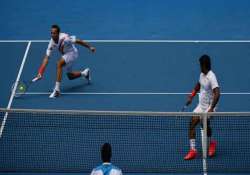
x: 204, y: 142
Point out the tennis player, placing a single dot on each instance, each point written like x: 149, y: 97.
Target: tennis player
x: 66, y: 46
x: 208, y: 99
x: 106, y: 168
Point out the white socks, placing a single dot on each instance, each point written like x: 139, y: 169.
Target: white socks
x: 57, y: 87
x: 192, y: 143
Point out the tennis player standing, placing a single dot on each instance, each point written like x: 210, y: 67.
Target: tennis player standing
x: 66, y: 46
x: 208, y: 99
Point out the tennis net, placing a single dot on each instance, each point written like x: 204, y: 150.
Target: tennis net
x: 70, y: 141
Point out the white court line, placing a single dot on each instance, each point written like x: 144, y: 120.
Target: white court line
x: 14, y: 88
x: 130, y: 93
x: 137, y: 41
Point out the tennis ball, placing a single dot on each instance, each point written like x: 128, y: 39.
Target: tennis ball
x: 21, y: 88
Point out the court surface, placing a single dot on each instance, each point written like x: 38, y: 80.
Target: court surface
x: 127, y: 75
x: 137, y: 76
x: 136, y: 68
x: 131, y: 19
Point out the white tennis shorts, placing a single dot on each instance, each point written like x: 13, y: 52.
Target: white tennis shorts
x: 199, y: 109
x: 69, y: 59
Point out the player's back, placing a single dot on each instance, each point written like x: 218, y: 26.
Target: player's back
x: 106, y: 169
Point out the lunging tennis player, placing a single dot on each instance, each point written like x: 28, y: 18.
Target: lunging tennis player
x: 66, y: 46
x: 208, y: 98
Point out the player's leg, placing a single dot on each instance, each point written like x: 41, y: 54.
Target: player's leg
x: 192, y: 135
x: 192, y: 131
x: 76, y: 74
x: 73, y: 75
x: 70, y: 59
x: 66, y: 60
x: 212, y: 143
x: 56, y: 91
x: 60, y: 65
x: 209, y: 130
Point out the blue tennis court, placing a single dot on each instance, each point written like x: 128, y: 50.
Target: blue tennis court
x: 146, y: 60
x: 152, y: 88
x: 145, y: 81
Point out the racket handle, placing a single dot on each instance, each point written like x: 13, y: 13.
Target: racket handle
x: 35, y: 79
x: 38, y: 77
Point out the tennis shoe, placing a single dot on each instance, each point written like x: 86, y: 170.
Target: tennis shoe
x: 191, y: 154
x: 212, y: 148
x: 87, y: 75
x: 54, y: 94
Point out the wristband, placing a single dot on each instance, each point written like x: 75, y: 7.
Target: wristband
x: 193, y: 93
x: 41, y: 69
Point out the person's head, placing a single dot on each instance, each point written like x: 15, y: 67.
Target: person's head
x: 205, y: 64
x: 106, y: 152
x: 55, y: 31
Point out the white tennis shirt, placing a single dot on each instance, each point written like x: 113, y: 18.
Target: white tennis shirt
x: 65, y: 44
x: 208, y: 82
x: 106, y: 169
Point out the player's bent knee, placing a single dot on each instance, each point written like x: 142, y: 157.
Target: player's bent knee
x: 60, y: 63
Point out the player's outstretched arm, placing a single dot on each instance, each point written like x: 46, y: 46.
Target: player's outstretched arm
x: 42, y: 68
x: 85, y: 44
x: 193, y: 93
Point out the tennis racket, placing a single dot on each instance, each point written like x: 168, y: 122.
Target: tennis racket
x: 184, y: 108
x: 22, y: 87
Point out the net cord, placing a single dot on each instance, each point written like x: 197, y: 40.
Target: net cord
x: 125, y: 113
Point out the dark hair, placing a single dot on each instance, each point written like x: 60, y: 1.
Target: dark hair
x: 205, y: 61
x: 106, y: 152
x: 54, y: 26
